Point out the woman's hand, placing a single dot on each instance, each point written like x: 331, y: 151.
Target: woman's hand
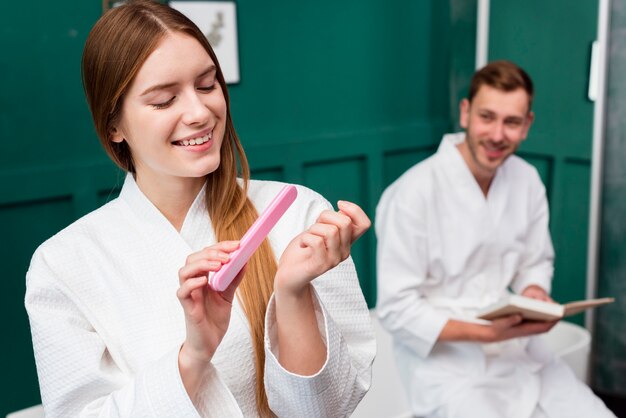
x: 207, y: 312
x: 317, y: 250
x: 312, y: 253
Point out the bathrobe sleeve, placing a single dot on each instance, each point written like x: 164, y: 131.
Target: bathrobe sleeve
x: 78, y: 375
x: 402, y: 257
x: 345, y: 325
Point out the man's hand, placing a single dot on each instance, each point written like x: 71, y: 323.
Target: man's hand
x: 500, y: 329
x: 512, y: 326
x: 535, y: 292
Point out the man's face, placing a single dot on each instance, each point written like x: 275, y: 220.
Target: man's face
x: 496, y: 122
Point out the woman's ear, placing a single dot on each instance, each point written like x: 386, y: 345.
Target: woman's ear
x: 116, y: 135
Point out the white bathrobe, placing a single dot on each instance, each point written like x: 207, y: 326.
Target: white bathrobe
x: 107, y: 326
x: 444, y: 252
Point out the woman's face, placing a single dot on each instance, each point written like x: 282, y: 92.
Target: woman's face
x: 174, y: 114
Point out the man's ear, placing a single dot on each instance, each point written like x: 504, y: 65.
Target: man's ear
x: 116, y: 135
x: 530, y: 118
x: 464, y: 109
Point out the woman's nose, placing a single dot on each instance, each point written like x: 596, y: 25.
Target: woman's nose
x: 195, y: 111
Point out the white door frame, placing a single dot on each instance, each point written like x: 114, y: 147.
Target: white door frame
x: 597, y: 84
x: 597, y: 153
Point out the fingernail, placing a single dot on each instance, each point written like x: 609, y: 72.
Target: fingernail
x: 224, y: 256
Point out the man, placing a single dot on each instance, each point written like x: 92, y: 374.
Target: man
x: 455, y: 232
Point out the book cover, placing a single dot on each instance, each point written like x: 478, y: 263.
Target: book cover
x: 538, y: 310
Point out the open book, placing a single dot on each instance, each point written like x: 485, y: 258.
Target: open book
x: 538, y: 310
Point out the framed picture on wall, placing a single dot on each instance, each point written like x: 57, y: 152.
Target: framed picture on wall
x: 109, y: 4
x: 218, y: 21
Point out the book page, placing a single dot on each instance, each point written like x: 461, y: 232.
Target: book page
x: 581, y: 305
x: 537, y: 310
x: 530, y: 309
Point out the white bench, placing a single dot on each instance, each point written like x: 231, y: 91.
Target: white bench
x: 32, y: 412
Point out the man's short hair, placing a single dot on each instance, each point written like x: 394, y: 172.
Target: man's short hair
x: 502, y: 75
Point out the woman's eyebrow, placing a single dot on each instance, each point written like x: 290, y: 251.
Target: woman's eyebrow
x: 163, y: 86
x: 158, y: 87
x: 208, y: 71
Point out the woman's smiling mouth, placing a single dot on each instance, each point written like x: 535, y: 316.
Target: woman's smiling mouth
x: 199, y: 140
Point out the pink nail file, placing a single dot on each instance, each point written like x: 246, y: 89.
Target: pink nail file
x: 253, y: 238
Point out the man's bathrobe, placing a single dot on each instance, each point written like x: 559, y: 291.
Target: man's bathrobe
x: 444, y: 252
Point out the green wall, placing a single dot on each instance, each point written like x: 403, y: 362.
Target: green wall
x: 339, y: 96
x: 552, y: 41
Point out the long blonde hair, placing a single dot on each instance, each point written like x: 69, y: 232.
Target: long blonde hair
x: 116, y: 48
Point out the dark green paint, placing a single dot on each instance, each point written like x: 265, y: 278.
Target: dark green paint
x: 330, y: 93
x: 552, y: 42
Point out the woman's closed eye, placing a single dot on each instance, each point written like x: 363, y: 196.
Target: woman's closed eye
x: 163, y: 105
x: 206, y: 88
x: 167, y: 103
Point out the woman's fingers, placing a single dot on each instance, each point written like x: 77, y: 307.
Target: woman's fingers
x: 312, y: 241
x: 208, y: 259
x: 229, y: 293
x: 323, y: 246
x: 351, y: 222
x: 186, y: 288
x: 197, y: 269
x: 316, y: 258
x: 331, y: 234
x: 360, y: 221
x: 218, y: 252
x: 343, y: 225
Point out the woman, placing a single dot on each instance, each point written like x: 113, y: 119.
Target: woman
x: 104, y: 296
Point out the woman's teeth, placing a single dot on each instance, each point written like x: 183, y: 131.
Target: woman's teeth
x: 195, y: 141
